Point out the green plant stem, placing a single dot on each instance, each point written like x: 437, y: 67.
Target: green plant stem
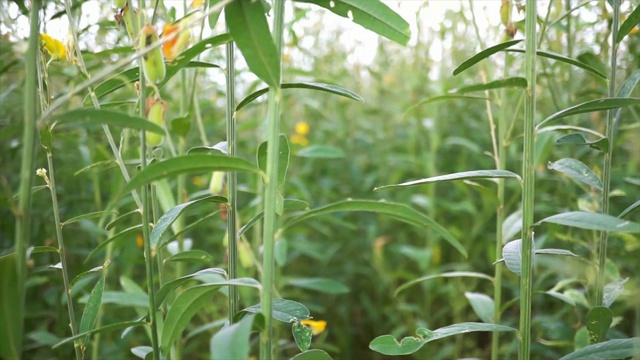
x: 232, y: 236
x: 608, y: 158
x: 23, y: 212
x: 528, y: 175
x: 63, y: 256
x: 271, y: 190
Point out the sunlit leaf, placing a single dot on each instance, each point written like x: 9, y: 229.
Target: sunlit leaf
x: 577, y: 170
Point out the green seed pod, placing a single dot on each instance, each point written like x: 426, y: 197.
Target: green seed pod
x: 120, y: 3
x: 153, y: 64
x: 155, y: 113
x: 132, y: 30
x: 217, y: 182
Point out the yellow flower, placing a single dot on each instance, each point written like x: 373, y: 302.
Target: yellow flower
x: 316, y: 326
x: 54, y: 47
x: 196, y: 4
x: 299, y: 139
x: 302, y: 128
x: 172, y: 48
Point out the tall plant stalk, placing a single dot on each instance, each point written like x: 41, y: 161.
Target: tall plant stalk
x: 23, y: 213
x: 608, y: 157
x: 271, y: 189
x: 232, y: 236
x: 528, y: 175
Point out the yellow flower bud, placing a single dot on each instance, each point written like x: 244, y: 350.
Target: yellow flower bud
x: 155, y: 113
x: 217, y: 182
x: 54, y: 47
x: 153, y: 63
x: 505, y: 11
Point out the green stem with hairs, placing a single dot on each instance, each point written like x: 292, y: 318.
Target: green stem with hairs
x: 528, y: 175
x: 271, y: 190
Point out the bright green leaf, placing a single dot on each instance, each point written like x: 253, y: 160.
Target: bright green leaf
x: 302, y: 335
x: 632, y: 21
x: 483, y: 55
x: 91, y: 309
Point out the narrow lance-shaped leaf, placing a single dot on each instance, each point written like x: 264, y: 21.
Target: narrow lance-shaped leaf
x: 248, y: 26
x: 91, y: 309
x: 443, y: 275
x: 591, y: 106
x: 332, y: 89
x: 630, y: 210
x: 94, y: 117
x: 283, y: 310
x: 567, y: 60
x: 608, y: 350
x: 577, y: 170
x: 625, y: 90
x: 373, y: 15
x: 483, y: 55
x: 441, y: 98
x: 628, y: 24
x: 398, y: 211
x: 174, y: 284
x: 388, y: 345
x: 592, y: 221
x: 465, y: 175
x: 91, y: 215
x: 107, y: 328
x: 517, y: 82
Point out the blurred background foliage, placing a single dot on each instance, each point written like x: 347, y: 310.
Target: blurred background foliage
x: 381, y: 141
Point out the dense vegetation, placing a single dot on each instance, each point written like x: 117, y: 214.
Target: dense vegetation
x: 535, y: 117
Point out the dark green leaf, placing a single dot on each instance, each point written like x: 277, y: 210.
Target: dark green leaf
x: 107, y: 328
x: 283, y: 310
x: 577, y: 170
x: 592, y: 221
x: 599, y: 320
x: 483, y: 55
x: 371, y: 14
x: 250, y: 30
x: 333, y: 89
x: 289, y: 205
x: 11, y: 309
x: 630, y: 210
x: 41, y: 249
x: 591, y: 106
x: 465, y: 175
x: 91, y: 309
x: 388, y: 345
x: 398, y: 211
x: 181, y: 126
x: 608, y: 350
x: 302, y: 335
x: 87, y: 216
x: 443, y: 275
x: 93, y: 117
x: 601, y: 144
x: 631, y: 22
x: 232, y: 341
x: 518, y: 82
x: 124, y: 234
x: 567, y: 60
x: 323, y: 285
x: 283, y: 159
x: 174, y: 284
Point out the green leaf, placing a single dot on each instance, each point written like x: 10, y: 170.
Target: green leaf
x: 188, y: 303
x: 214, y: 16
x: 465, y: 175
x: 323, y: 285
x: 232, y: 341
x: 170, y: 216
x: 388, y: 345
x: 124, y: 234
x: 283, y: 159
x: 577, y: 170
x: 630, y: 210
x: 282, y: 310
x: 289, y: 205
x: 85, y: 273
x: 320, y: 152
x: 511, y: 253
x: 41, y: 249
x: 121, y: 298
x: 555, y: 56
x: 302, y: 335
x: 107, y: 328
x: 608, y: 350
x: 397, y: 211
x: 601, y: 144
x: 174, y: 284
x: 592, y: 221
x: 591, y: 106
x: 94, y: 117
x: 250, y: 30
x: 313, y: 354
x: 11, y: 309
x: 518, y: 82
x: 192, y: 256
x: 483, y: 55
x: 372, y: 15
x: 91, y: 215
x: 625, y: 90
x: 599, y: 320
x: 123, y: 218
x: 562, y: 252
x: 443, y: 275
x: 631, y: 22
x: 142, y: 351
x: 482, y: 305
x: 91, y: 309
x: 181, y: 125
x: 333, y: 89
x: 612, y: 290
x: 189, y: 164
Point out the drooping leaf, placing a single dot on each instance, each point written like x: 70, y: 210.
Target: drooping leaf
x: 232, y: 341
x: 555, y: 56
x: 282, y: 310
x: 313, y: 354
x: 174, y: 284
x: 373, y: 15
x: 320, y: 152
x: 91, y: 309
x: 248, y: 26
x: 319, y: 284
x: 302, y: 335
x: 397, y: 211
x: 630, y: 210
x: 443, y: 275
x: 188, y: 303
x: 608, y: 350
x: 517, y: 82
x: 94, y: 117
x: 511, y: 253
x: 482, y: 305
x: 592, y: 221
x: 91, y: 215
x: 599, y: 320
x: 332, y: 89
x: 628, y: 25
x: 591, y: 106
x: 577, y: 170
x: 106, y: 328
x: 189, y: 164
x: 388, y: 345
x: 562, y: 252
x: 465, y: 175
x: 191, y: 256
x: 483, y: 55
x: 170, y: 216
x: 612, y: 290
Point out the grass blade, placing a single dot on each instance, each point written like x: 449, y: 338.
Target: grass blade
x: 465, y: 175
x: 483, y: 55
x: 332, y: 89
